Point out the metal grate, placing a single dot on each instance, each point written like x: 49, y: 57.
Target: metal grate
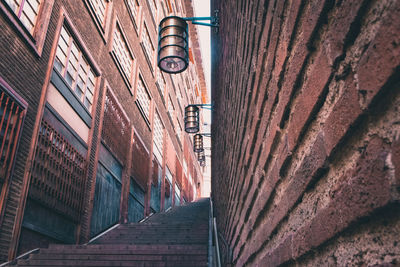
x: 116, y: 129
x: 58, y: 175
x: 11, y: 115
x: 11, y: 118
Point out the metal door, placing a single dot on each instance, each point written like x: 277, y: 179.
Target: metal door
x: 106, y: 204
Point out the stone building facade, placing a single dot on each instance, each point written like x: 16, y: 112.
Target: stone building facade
x: 92, y: 132
x: 306, y: 132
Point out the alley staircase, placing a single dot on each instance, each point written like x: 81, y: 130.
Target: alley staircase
x: 178, y: 237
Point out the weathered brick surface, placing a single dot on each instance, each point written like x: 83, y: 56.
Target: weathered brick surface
x: 312, y: 152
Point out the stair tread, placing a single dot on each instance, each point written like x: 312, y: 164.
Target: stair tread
x: 176, y: 238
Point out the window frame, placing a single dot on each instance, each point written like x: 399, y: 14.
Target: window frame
x: 159, y: 150
x: 171, y: 110
x: 149, y: 58
x: 84, y: 55
x: 59, y: 82
x: 137, y: 101
x: 35, y: 40
x: 136, y: 21
x: 129, y: 81
x: 102, y: 28
x: 162, y: 89
x: 152, y: 15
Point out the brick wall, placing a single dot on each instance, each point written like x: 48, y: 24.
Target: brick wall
x: 27, y: 72
x: 15, y: 52
x: 306, y: 132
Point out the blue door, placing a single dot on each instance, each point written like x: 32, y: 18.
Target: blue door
x: 107, y: 197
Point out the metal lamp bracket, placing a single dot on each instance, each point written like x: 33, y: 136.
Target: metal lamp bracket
x: 214, y: 20
x: 205, y: 106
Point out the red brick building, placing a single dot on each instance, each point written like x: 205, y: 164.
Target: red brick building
x: 91, y: 130
x: 306, y: 132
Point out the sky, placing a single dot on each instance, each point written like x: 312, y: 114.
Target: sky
x: 202, y: 9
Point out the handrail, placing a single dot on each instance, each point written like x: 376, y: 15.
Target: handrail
x: 213, y: 228
x: 210, y: 215
x: 216, y: 242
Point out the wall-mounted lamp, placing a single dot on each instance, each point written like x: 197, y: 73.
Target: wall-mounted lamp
x: 173, y: 41
x: 201, y: 156
x: 192, y: 117
x: 173, y: 46
x: 198, y: 143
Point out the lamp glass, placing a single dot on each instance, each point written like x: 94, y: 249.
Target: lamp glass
x: 173, y: 48
x: 198, y: 143
x: 192, y: 120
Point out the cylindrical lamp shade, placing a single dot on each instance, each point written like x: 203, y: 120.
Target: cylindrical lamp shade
x: 198, y: 143
x: 192, y: 119
x: 173, y: 46
x: 201, y: 156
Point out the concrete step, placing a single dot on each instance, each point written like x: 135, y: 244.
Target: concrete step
x: 121, y: 248
x: 176, y: 238
x: 137, y: 256
x: 82, y: 263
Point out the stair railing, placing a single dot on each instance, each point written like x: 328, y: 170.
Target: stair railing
x: 213, y: 236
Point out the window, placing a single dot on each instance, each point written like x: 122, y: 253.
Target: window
x: 123, y: 56
x: 177, y: 191
x: 27, y: 11
x: 74, y: 68
x: 153, y: 8
x: 171, y: 109
x: 188, y: 84
x: 179, y: 130
x: 158, y: 134
x: 99, y: 8
x: 147, y: 45
x: 161, y: 83
x: 133, y: 7
x: 169, y: 6
x: 143, y: 99
x: 185, y: 167
x: 179, y: 98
